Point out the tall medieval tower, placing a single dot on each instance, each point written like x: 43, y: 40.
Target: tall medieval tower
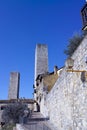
x: 14, y: 85
x: 41, y: 59
x: 41, y: 65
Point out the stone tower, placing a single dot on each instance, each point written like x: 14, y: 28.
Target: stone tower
x: 41, y: 59
x: 14, y: 85
x: 41, y: 65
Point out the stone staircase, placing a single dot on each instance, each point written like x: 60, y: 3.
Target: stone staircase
x: 36, y: 122
x: 37, y: 116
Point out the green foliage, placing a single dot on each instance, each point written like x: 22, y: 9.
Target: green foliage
x: 73, y: 44
x: 8, y: 127
x: 12, y: 112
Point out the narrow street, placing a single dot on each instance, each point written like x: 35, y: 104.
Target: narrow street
x: 36, y: 122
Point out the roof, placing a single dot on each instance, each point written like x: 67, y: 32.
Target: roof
x: 43, y: 75
x: 40, y: 76
x: 30, y: 101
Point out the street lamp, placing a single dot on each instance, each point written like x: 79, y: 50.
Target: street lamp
x: 69, y: 68
x: 69, y: 64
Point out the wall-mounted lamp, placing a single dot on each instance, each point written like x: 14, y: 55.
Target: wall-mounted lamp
x: 69, y: 63
x: 69, y: 68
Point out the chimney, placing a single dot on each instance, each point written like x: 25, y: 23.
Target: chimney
x: 55, y: 69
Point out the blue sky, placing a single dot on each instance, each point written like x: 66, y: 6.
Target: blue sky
x: 23, y: 24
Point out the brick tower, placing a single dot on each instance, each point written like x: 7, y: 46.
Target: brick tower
x: 41, y: 59
x: 14, y: 85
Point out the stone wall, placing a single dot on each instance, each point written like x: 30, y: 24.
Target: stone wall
x: 1, y: 111
x: 19, y: 127
x: 41, y: 59
x: 66, y: 104
x: 1, y: 116
x: 14, y: 85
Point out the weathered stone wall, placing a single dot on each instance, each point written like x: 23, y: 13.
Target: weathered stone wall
x: 41, y: 59
x: 66, y: 104
x: 1, y: 115
x: 19, y: 127
x: 50, y: 80
x: 1, y: 111
x: 14, y: 85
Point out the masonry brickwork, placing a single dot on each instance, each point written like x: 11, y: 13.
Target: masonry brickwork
x: 41, y: 59
x: 66, y: 103
x: 14, y: 85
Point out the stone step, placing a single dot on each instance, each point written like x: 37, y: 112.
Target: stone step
x: 38, y: 119
x: 37, y: 116
x: 35, y: 122
x: 32, y: 126
x: 36, y: 126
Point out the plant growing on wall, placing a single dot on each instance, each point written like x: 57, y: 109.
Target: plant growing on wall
x: 74, y: 42
x: 8, y: 127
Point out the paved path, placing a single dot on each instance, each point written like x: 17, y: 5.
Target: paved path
x: 36, y: 122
